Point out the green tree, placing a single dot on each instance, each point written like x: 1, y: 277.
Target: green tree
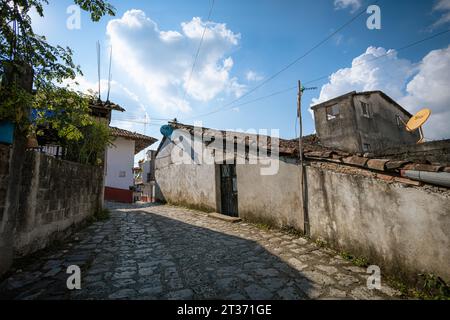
x: 51, y: 65
x: 90, y: 149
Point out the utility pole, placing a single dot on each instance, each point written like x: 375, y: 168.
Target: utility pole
x: 303, y: 186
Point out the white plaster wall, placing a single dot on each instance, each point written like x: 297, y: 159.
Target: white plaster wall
x: 120, y: 157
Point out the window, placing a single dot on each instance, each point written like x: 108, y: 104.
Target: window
x: 366, y: 147
x: 399, y: 121
x: 333, y: 112
x: 365, y: 107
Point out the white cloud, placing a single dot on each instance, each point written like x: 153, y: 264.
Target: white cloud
x: 442, y: 6
x: 370, y: 72
x: 159, y: 63
x: 253, y: 76
x: 343, y: 4
x: 414, y: 86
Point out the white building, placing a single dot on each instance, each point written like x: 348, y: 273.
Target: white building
x: 119, y: 178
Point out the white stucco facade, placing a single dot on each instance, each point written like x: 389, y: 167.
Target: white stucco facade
x: 120, y: 161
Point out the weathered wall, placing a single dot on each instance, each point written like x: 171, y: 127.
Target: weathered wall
x: 353, y: 129
x: 54, y: 196
x: 185, y: 184
x: 338, y: 133
x: 381, y: 129
x: 188, y: 185
x: 433, y: 152
x: 403, y: 230
x: 272, y: 199
x: 6, y: 248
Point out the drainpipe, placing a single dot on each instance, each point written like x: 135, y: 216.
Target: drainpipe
x: 437, y: 178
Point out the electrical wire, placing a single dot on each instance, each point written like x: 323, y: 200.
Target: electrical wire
x: 295, y: 61
x: 326, y: 76
x: 198, y: 50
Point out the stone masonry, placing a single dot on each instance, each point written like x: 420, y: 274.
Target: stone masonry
x: 164, y: 252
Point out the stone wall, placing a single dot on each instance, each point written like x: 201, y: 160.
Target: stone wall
x: 52, y: 196
x: 55, y: 196
x: 6, y: 251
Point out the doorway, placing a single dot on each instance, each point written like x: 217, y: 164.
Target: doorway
x: 228, y: 189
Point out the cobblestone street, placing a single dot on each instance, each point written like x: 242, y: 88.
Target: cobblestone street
x: 164, y: 252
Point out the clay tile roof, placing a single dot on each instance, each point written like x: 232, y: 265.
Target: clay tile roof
x: 315, y: 151
x: 141, y: 140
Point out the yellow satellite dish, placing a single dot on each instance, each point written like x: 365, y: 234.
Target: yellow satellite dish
x: 417, y: 122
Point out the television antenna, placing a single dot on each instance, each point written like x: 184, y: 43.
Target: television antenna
x: 417, y: 122
x: 99, y: 71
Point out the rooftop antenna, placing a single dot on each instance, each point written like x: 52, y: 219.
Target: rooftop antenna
x: 417, y: 122
x: 109, y: 76
x: 98, y: 69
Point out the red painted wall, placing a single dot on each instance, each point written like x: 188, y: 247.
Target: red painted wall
x: 118, y: 195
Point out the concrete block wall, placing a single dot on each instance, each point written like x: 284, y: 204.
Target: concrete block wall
x: 55, y: 195
x: 6, y: 251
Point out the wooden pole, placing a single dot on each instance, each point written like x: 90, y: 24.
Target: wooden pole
x: 302, y: 165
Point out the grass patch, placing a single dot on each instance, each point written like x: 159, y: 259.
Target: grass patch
x: 293, y: 232
x: 101, y: 215
x: 357, y: 261
x: 429, y: 287
x: 263, y: 226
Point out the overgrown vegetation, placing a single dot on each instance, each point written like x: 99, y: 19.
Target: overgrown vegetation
x: 357, y: 261
x: 90, y: 149
x: 263, y: 226
x: 55, y: 106
x: 100, y: 215
x: 430, y: 287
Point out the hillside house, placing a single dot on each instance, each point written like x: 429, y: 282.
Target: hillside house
x: 365, y: 122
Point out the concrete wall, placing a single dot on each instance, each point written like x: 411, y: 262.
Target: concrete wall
x: 338, y: 133
x: 55, y: 195
x: 381, y: 130
x: 120, y: 158
x: 6, y: 246
x: 403, y: 230
x: 273, y: 200
x: 185, y: 184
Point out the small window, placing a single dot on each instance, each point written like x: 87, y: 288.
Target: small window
x: 365, y: 107
x: 122, y: 174
x: 366, y: 147
x: 399, y: 121
x: 333, y: 112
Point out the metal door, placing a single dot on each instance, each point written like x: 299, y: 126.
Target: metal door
x: 229, y: 192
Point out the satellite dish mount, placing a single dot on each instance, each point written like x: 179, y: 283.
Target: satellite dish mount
x: 417, y: 122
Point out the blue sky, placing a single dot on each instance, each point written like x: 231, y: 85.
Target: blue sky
x: 154, y: 44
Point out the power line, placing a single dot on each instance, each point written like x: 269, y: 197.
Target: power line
x: 295, y: 61
x: 138, y: 122
x: 325, y: 76
x: 198, y: 50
